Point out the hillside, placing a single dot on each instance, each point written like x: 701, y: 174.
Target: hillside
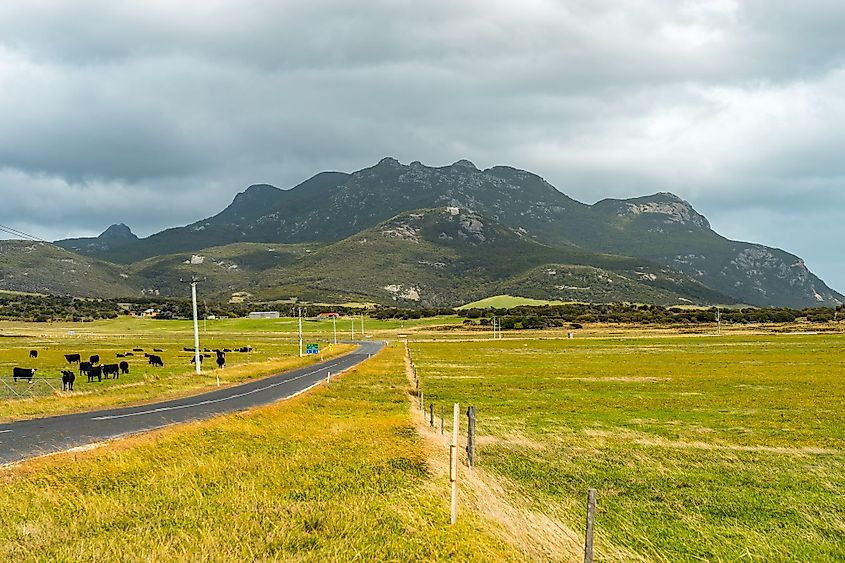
x: 661, y: 229
x: 38, y: 267
x: 441, y: 257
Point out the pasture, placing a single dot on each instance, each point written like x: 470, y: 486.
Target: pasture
x: 701, y: 448
x: 337, y: 474
x: 274, y: 348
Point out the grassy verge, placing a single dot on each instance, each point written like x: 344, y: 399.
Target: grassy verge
x: 335, y: 474
x: 701, y: 448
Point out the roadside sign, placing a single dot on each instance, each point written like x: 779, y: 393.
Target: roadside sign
x: 312, y: 348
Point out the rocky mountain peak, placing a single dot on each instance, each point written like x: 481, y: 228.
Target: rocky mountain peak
x: 463, y: 163
x: 118, y: 232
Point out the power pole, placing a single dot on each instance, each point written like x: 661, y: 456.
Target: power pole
x: 353, y: 327
x: 362, y: 325
x: 300, y: 332
x: 718, y: 321
x: 196, y: 326
x: 334, y: 328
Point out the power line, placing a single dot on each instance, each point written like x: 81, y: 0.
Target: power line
x: 26, y: 236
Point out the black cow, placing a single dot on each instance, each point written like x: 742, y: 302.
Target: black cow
x: 111, y: 369
x: 72, y: 358
x: 119, y: 355
x: 221, y: 360
x: 188, y: 349
x: 124, y: 367
x: 227, y: 349
x: 137, y: 349
x: 95, y: 371
x: 194, y: 359
x: 68, y: 377
x: 155, y: 361
x: 95, y: 359
x: 157, y: 350
x: 84, y: 367
x: 23, y: 373
x: 33, y: 353
x: 128, y: 354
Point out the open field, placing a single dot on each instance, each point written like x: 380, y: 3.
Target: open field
x: 336, y: 474
x: 273, y: 351
x: 506, y: 301
x: 701, y: 448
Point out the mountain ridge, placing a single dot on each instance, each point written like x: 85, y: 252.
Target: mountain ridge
x: 329, y: 207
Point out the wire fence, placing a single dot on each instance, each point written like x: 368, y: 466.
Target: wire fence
x: 25, y: 388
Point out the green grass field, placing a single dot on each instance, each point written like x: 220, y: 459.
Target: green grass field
x: 507, y: 301
x: 338, y: 474
x: 700, y: 448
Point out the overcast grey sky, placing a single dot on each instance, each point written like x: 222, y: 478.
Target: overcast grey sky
x: 155, y: 113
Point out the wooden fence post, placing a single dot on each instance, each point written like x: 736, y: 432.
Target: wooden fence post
x: 431, y: 409
x: 453, y: 462
x: 591, y: 523
x: 442, y: 420
x: 471, y: 436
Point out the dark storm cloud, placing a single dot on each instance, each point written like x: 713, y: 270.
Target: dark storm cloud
x: 156, y: 113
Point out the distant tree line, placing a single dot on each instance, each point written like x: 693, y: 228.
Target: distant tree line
x: 576, y: 314
x: 405, y: 314
x: 38, y: 308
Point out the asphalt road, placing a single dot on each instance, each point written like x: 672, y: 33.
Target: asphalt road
x: 29, y: 438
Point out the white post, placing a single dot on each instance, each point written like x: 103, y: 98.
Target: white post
x: 353, y: 327
x: 300, y: 333
x: 334, y: 328
x: 362, y: 325
x: 453, y: 464
x: 196, y: 328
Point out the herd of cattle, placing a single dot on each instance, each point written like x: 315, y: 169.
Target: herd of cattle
x: 97, y: 371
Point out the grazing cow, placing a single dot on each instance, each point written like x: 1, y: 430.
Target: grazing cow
x: 194, y: 359
x: 33, y: 353
x: 227, y: 350
x: 111, y: 369
x: 221, y: 360
x: 95, y: 359
x: 188, y: 349
x: 128, y: 354
x: 124, y: 367
x: 23, y: 373
x: 68, y: 377
x: 155, y: 361
x: 72, y: 358
x: 137, y: 349
x: 119, y: 355
x: 95, y: 371
x: 157, y: 350
x: 84, y: 367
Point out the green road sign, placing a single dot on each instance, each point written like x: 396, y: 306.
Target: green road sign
x: 312, y: 348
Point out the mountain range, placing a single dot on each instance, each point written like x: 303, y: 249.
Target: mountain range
x: 420, y: 235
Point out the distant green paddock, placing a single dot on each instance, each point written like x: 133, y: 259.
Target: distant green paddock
x: 701, y: 448
x: 506, y: 302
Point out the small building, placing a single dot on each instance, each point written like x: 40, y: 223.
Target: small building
x: 264, y: 315
x: 325, y: 316
x: 150, y: 313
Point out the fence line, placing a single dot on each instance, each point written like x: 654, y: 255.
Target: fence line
x: 429, y: 418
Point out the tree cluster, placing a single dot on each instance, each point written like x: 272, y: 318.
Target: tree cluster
x: 548, y: 316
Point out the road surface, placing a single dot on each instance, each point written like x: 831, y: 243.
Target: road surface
x: 29, y: 438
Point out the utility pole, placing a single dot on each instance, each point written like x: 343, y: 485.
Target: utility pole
x: 300, y: 332
x: 197, y: 364
x: 362, y: 325
x: 718, y: 321
x: 353, y: 327
x: 334, y: 328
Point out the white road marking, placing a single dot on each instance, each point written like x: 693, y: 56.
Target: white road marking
x: 212, y: 401
x: 4, y: 431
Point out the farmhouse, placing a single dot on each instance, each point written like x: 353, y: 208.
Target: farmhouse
x: 325, y: 316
